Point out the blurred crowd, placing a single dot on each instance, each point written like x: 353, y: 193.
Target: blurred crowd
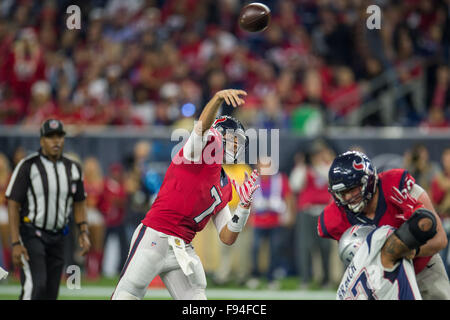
x: 280, y: 239
x: 154, y: 62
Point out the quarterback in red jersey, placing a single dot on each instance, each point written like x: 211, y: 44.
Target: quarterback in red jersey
x: 195, y: 189
x: 389, y: 198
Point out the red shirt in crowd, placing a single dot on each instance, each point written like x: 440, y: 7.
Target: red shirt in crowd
x: 113, y: 201
x: 315, y: 191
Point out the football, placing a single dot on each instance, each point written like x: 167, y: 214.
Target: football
x: 254, y: 17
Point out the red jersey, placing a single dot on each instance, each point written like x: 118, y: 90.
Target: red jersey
x: 94, y: 191
x: 191, y: 193
x: 112, y: 202
x: 334, y: 220
x: 315, y: 191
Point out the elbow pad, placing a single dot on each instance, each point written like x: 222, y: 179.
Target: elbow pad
x: 411, y: 234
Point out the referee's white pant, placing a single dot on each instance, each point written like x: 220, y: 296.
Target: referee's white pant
x: 150, y: 255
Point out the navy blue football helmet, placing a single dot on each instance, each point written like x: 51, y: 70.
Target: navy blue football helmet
x: 349, y: 170
x: 230, y: 128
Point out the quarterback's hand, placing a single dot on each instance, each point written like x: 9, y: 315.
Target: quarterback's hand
x: 404, y: 201
x: 246, y: 190
x: 232, y: 96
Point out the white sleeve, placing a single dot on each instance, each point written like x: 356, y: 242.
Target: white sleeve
x: 416, y: 191
x: 192, y: 150
x: 297, y: 178
x: 221, y: 218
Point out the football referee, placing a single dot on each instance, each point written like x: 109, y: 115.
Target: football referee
x: 44, y: 189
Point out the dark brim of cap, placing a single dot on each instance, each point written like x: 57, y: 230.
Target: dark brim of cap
x: 49, y: 133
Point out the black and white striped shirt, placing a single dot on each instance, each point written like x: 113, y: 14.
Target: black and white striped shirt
x: 46, y: 190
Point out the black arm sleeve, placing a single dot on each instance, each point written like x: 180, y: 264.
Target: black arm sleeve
x: 80, y: 193
x: 19, y: 183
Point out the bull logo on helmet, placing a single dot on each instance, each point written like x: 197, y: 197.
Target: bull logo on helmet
x: 358, y: 166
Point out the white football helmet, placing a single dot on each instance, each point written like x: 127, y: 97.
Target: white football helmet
x: 351, y: 240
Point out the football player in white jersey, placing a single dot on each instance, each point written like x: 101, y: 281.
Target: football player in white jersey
x: 379, y: 259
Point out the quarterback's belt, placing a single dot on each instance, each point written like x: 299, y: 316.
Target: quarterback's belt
x: 185, y: 261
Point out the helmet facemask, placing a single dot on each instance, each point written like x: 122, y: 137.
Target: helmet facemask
x: 366, y: 193
x: 234, y: 145
x: 235, y: 142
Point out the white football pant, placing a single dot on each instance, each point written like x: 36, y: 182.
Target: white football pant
x: 150, y: 255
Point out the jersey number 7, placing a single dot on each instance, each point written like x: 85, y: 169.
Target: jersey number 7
x: 361, y: 287
x: 217, y: 200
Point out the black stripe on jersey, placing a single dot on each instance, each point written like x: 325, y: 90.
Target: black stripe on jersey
x: 21, y: 183
x: 33, y: 193
x: 17, y: 187
x: 44, y: 178
x: 57, y: 196
x: 68, y: 166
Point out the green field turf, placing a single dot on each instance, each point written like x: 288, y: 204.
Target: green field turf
x: 103, y: 288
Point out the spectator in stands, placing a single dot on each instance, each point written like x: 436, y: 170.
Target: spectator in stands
x: 143, y: 109
x: 142, y: 185
x: 67, y: 110
x: 18, y: 154
x: 41, y: 104
x: 373, y: 70
x: 94, y: 187
x: 417, y: 162
x: 61, y: 72
x: 6, y: 39
x: 309, y: 116
x: 24, y: 65
x: 333, y: 39
x: 265, y: 80
x: 155, y: 42
x: 273, y: 213
x: 440, y: 194
x: 12, y: 108
x: 440, y: 97
x: 344, y: 96
x: 272, y: 115
x: 289, y: 90
x: 409, y: 108
x: 310, y: 184
x: 216, y: 81
x: 436, y: 119
x: 113, y: 207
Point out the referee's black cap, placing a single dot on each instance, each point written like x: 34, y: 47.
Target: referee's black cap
x: 51, y: 126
